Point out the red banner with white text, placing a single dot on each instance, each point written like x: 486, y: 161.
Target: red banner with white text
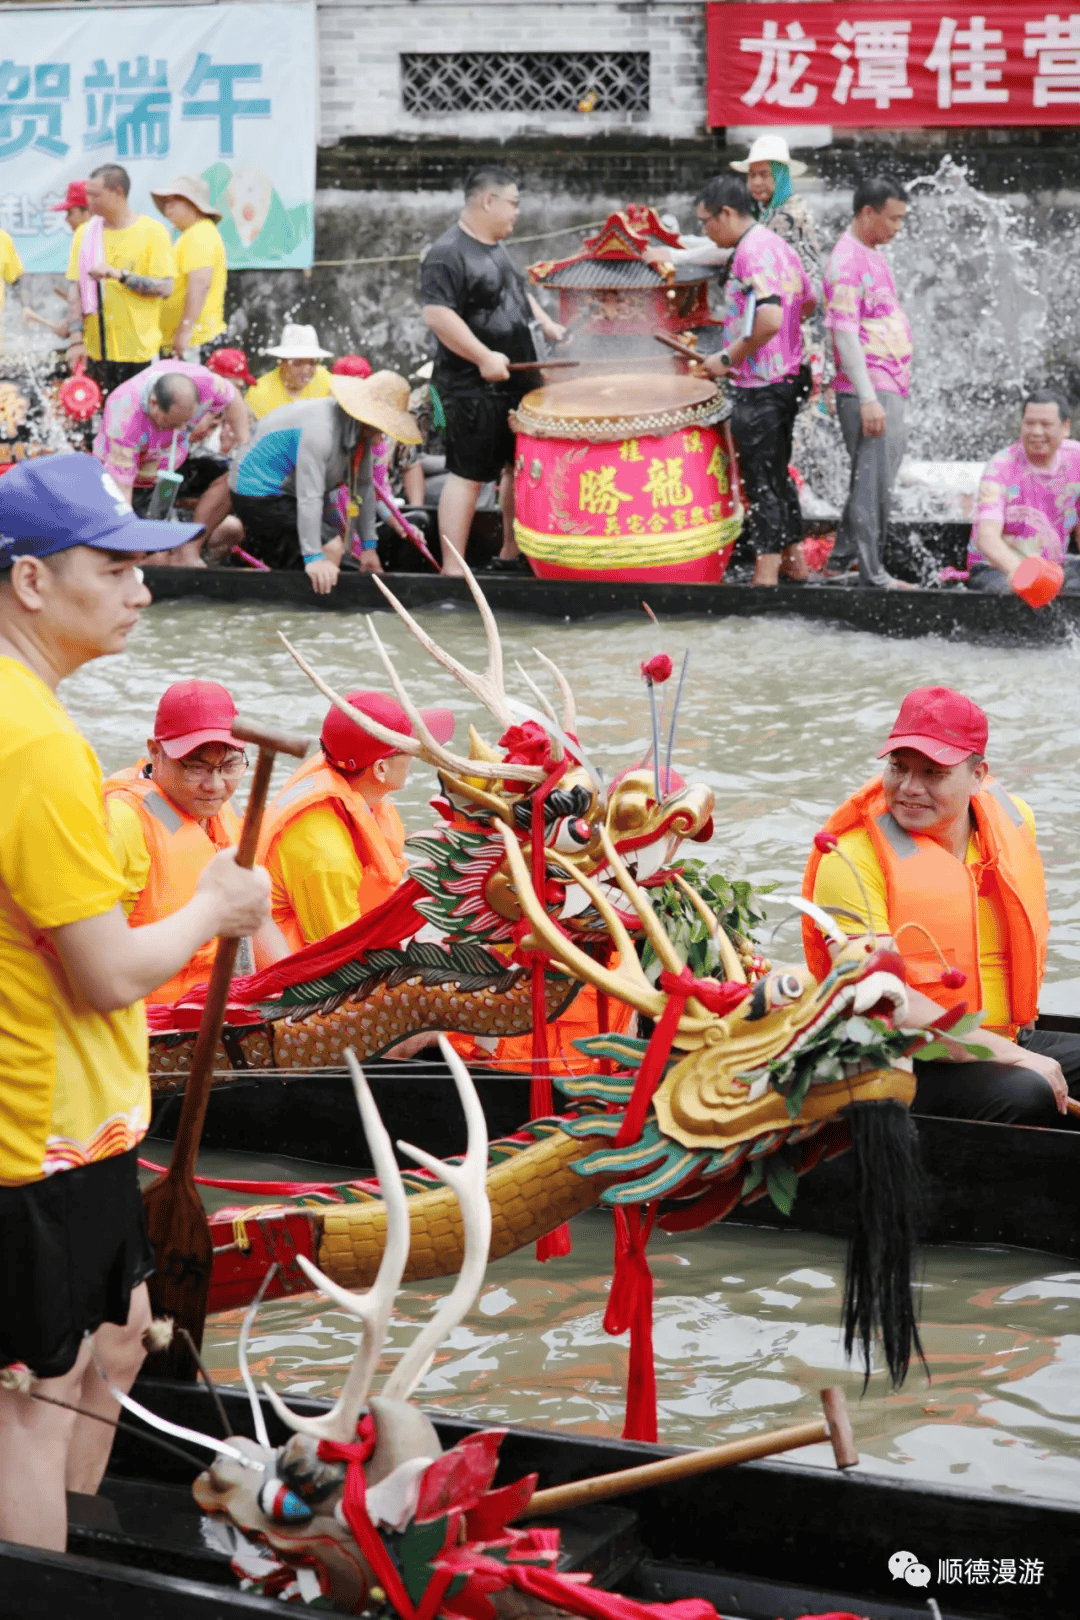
x: 920, y: 62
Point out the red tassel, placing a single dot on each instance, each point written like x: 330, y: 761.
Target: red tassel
x: 630, y: 1306
x: 541, y: 1100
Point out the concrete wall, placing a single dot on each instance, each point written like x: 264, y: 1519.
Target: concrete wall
x: 361, y: 45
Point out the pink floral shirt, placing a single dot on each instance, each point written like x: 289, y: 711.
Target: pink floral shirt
x: 1036, y: 506
x: 129, y: 443
x: 765, y: 266
x: 860, y: 297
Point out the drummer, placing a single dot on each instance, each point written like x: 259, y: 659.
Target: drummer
x: 947, y: 862
x: 74, y: 1092
x: 477, y: 304
x: 332, y: 839
x: 768, y: 297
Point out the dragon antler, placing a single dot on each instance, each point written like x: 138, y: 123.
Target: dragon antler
x: 374, y: 1308
x: 421, y: 746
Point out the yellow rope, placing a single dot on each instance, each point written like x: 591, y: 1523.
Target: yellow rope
x: 403, y: 258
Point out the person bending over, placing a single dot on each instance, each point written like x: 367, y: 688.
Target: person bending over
x: 1027, y: 502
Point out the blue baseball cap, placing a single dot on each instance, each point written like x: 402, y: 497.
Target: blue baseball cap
x: 53, y: 503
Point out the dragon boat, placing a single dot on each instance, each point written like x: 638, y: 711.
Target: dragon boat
x: 371, y: 1506
x: 953, y: 612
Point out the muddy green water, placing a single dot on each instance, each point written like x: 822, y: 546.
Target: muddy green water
x: 782, y: 719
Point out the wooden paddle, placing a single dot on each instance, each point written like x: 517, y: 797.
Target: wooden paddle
x: 1072, y: 1106
x: 175, y: 1218
x: 834, y: 1426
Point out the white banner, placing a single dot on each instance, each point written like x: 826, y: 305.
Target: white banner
x: 228, y: 92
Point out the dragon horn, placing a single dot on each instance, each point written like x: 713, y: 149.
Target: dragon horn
x: 374, y: 1308
x: 614, y: 923
x: 543, y: 701
x: 435, y: 754
x: 645, y: 1000
x: 489, y: 687
x: 729, y: 956
x: 467, y: 1180
x: 650, y: 922
x: 569, y: 723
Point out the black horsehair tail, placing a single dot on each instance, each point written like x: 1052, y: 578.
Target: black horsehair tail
x: 889, y: 1200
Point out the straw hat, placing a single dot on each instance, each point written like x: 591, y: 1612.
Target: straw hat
x: 298, y: 343
x: 381, y: 401
x: 769, y: 149
x: 193, y: 190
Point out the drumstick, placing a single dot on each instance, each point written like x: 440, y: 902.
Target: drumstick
x: 680, y: 348
x: 541, y: 365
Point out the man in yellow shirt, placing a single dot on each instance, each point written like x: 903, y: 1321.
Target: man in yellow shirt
x: 332, y: 841
x: 946, y: 863
x: 10, y: 268
x: 170, y: 813
x: 297, y: 375
x: 74, y: 1092
x: 194, y: 311
x: 126, y: 260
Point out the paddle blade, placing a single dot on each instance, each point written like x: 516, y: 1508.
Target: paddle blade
x: 180, y: 1286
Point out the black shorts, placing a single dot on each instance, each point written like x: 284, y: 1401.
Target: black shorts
x: 72, y: 1249
x: 270, y: 528
x: 109, y: 374
x: 479, y: 438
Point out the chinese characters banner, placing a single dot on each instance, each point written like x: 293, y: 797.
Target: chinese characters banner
x: 226, y: 92
x: 917, y: 62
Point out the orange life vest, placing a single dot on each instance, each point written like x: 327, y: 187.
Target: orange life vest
x: 377, y: 834
x: 925, y: 883
x: 179, y: 848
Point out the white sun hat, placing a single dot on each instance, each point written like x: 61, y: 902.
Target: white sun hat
x: 769, y: 149
x: 299, y: 343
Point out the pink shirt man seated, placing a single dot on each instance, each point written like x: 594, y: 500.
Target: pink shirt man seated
x: 152, y: 419
x: 1028, y: 500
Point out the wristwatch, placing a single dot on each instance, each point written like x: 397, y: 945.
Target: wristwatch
x: 725, y: 357
x: 123, y: 278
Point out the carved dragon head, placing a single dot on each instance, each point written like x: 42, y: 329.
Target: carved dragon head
x: 538, y: 777
x: 747, y: 1081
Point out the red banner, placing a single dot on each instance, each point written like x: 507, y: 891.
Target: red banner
x: 915, y: 62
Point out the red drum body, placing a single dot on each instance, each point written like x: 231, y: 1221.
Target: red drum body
x: 625, y: 477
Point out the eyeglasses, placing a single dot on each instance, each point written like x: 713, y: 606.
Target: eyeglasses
x: 230, y: 769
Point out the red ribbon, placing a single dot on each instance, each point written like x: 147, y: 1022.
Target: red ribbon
x: 541, y: 1099
x: 630, y: 1305
x: 354, y: 1507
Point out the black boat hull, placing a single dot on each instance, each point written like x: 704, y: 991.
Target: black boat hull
x: 954, y: 613
x: 767, y: 1540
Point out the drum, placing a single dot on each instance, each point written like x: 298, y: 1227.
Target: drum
x: 626, y: 476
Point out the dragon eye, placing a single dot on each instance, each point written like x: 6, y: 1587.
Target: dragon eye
x: 786, y: 987
x: 281, y: 1504
x: 570, y: 835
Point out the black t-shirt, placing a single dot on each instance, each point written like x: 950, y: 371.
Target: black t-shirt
x: 479, y: 282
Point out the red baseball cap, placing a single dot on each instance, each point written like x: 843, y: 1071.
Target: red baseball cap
x: 350, y: 748
x: 231, y: 363
x: 940, y: 723
x: 351, y: 365
x: 75, y: 198
x: 192, y: 713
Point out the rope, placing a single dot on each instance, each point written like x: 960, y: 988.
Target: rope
x: 403, y: 258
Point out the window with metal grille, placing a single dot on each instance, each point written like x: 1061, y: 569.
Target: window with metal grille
x: 525, y: 81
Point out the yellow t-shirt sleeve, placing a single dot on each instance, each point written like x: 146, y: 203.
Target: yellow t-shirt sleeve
x: 319, y: 868
x: 56, y: 860
x: 194, y: 249
x: 837, y: 886
x: 129, y: 848
x: 73, y: 256
x: 261, y: 399
x: 12, y: 264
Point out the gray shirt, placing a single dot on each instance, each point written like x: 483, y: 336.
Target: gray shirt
x: 305, y: 450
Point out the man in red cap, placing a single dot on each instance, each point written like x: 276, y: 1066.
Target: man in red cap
x: 946, y: 863
x: 73, y: 205
x: 74, y: 1092
x: 332, y: 841
x: 170, y: 814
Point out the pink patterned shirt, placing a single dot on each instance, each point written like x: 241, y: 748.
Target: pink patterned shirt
x: 860, y: 297
x: 1036, y: 506
x: 129, y: 443
x: 765, y: 266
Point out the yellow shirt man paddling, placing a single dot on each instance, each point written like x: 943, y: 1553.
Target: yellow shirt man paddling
x: 74, y: 1094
